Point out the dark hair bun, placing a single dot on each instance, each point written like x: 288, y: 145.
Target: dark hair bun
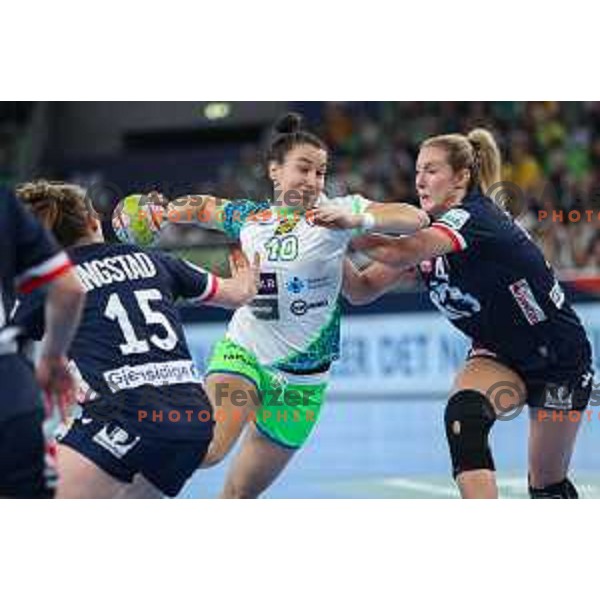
x: 290, y: 123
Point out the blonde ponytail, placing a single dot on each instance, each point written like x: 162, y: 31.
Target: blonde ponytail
x: 487, y: 167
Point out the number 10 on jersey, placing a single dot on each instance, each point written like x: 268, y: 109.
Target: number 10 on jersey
x: 282, y: 249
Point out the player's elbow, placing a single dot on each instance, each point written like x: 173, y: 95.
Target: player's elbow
x: 360, y: 293
x: 357, y: 298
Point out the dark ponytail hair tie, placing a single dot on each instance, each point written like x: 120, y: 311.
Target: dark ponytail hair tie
x: 288, y: 124
x: 287, y: 133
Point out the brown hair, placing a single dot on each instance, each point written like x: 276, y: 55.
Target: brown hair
x: 477, y: 151
x: 62, y: 207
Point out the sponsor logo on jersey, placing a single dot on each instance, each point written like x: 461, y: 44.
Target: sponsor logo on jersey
x: 557, y: 295
x: 154, y: 374
x: 523, y: 295
x: 268, y: 284
x: 301, y: 307
x: 455, y: 218
x: 295, y: 285
x: 238, y: 357
x: 453, y: 302
x: 265, y: 309
x: 482, y: 352
x: 318, y: 282
x: 286, y: 226
x: 115, y: 440
x: 559, y: 397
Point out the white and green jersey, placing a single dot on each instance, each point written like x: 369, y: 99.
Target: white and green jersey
x: 294, y: 322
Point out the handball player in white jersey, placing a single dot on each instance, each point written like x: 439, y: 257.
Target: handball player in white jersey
x: 272, y: 367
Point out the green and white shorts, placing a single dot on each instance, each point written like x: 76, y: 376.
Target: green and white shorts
x: 290, y: 404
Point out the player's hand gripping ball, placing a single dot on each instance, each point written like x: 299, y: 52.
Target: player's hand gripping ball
x: 138, y: 220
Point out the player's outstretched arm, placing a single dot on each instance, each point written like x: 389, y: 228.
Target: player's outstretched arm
x: 407, y: 251
x: 378, y: 217
x: 364, y: 287
x: 242, y: 286
x: 195, y: 209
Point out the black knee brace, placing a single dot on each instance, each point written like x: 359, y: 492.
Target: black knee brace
x: 469, y: 417
x: 565, y: 489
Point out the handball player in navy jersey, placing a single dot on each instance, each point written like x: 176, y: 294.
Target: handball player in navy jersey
x: 145, y: 422
x: 492, y: 282
x: 29, y: 261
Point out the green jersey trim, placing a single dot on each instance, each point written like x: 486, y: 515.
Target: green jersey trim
x: 322, y: 350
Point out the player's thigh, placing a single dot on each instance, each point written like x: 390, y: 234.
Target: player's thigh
x: 139, y: 489
x: 555, y: 413
x: 79, y: 477
x: 234, y: 399
x: 234, y: 381
x: 256, y: 466
x: 551, y: 444
x: 283, y: 425
x: 503, y: 387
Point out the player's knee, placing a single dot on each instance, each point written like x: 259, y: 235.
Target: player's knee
x: 469, y: 418
x: 212, y: 458
x: 216, y: 454
x: 562, y: 490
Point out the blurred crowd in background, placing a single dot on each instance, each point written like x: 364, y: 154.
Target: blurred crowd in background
x: 551, y: 151
x: 14, y: 119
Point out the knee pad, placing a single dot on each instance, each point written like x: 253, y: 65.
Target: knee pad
x: 564, y: 489
x: 469, y: 418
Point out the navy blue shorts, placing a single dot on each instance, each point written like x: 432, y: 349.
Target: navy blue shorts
x: 22, y: 457
x: 548, y: 387
x: 123, y: 452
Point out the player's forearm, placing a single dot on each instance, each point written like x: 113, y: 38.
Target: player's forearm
x: 231, y: 293
x: 196, y: 210
x: 395, y: 218
x: 353, y: 287
x: 64, y: 305
x: 366, y: 286
x: 380, y: 279
x: 399, y: 253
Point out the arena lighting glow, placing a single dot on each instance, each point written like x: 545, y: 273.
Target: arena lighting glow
x: 217, y: 110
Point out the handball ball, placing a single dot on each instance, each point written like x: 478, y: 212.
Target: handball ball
x: 137, y: 221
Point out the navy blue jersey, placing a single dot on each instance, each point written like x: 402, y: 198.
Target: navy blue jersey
x: 497, y: 288
x: 130, y: 352
x: 29, y: 258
